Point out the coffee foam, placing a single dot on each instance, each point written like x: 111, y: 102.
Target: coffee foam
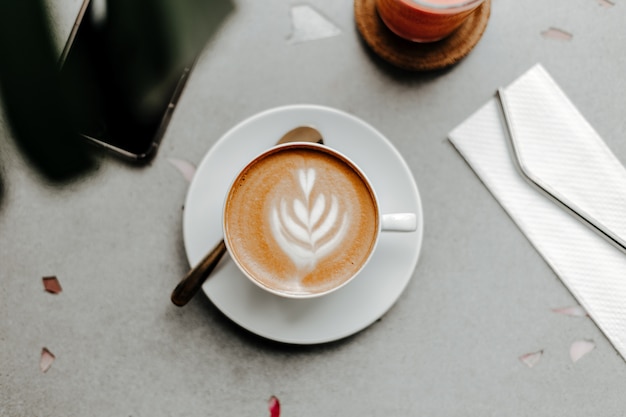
x: 300, y: 221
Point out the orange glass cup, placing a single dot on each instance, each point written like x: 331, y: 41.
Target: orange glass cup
x: 425, y: 20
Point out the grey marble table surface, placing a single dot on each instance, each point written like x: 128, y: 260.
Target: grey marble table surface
x: 480, y: 298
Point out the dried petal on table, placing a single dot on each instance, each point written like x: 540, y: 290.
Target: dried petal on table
x: 51, y: 284
x: 308, y: 25
x: 45, y: 362
x: 531, y: 359
x: 580, y: 348
x: 574, y: 311
x: 185, y: 167
x: 605, y: 3
x: 556, y: 33
x: 274, y: 406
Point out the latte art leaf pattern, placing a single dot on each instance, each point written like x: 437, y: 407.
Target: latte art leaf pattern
x: 307, y: 229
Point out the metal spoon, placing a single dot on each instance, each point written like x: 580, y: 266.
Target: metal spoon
x: 194, y: 279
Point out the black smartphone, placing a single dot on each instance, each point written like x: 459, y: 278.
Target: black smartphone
x: 97, y: 71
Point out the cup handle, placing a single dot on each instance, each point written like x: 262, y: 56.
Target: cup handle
x: 399, y: 222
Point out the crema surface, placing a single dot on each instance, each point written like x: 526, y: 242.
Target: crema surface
x: 300, y: 221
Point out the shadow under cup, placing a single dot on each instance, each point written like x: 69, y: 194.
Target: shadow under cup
x: 301, y: 220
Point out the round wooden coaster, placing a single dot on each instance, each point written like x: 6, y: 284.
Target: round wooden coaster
x: 419, y: 56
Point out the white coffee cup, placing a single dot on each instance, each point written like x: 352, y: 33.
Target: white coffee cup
x: 302, y: 220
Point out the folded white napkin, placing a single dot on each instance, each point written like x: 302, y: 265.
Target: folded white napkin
x: 560, y: 142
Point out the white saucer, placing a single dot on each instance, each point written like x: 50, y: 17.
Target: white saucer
x: 343, y: 312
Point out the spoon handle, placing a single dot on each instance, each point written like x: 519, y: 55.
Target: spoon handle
x: 190, y: 285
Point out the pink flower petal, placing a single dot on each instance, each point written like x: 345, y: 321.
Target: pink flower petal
x: 531, y: 359
x: 52, y: 285
x: 185, y: 167
x: 574, y: 311
x: 605, y: 3
x: 558, y: 34
x: 274, y: 406
x: 45, y: 362
x: 580, y: 348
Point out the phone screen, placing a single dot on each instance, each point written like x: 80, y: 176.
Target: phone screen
x: 91, y: 74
